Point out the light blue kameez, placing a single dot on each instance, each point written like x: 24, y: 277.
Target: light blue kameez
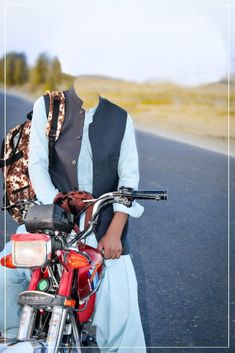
x: 117, y: 317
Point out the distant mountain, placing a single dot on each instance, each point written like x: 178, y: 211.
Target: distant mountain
x: 223, y: 80
x: 98, y: 77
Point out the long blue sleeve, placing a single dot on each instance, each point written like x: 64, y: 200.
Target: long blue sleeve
x: 38, y: 155
x: 128, y: 169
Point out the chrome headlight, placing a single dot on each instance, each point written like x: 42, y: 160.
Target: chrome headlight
x: 31, y: 250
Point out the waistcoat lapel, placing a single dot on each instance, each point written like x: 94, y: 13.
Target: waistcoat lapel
x: 64, y: 173
x: 67, y: 147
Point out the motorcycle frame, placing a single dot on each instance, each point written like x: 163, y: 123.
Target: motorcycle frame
x: 59, y: 313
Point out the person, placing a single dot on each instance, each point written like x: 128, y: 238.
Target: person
x: 96, y: 152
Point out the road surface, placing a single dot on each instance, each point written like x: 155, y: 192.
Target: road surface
x: 179, y: 247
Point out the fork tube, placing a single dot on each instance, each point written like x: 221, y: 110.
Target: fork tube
x: 59, y: 313
x: 27, y: 321
x: 56, y: 328
x: 28, y: 314
x: 75, y: 333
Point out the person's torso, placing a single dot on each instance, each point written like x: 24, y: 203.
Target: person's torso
x: 86, y: 155
x: 102, y: 136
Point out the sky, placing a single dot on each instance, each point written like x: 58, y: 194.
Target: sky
x: 134, y: 40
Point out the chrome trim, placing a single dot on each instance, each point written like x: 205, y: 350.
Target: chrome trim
x: 75, y: 333
x: 56, y: 328
x: 27, y: 321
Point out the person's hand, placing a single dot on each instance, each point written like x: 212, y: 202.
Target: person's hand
x: 111, y: 246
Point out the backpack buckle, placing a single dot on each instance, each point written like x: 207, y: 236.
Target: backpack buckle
x: 52, y: 135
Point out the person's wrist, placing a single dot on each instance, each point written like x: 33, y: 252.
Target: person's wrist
x: 117, y: 224
x: 114, y: 234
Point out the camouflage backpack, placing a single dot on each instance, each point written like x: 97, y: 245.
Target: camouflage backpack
x: 17, y: 187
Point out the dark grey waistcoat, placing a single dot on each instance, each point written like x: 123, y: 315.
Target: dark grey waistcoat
x: 105, y: 134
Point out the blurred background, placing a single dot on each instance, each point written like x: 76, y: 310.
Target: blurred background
x: 167, y: 64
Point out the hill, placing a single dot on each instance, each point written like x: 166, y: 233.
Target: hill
x: 197, y: 115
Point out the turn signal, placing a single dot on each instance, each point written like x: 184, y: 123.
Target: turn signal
x: 70, y: 302
x: 76, y: 260
x: 7, y: 261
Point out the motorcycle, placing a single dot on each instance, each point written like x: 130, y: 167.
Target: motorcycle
x: 66, y: 272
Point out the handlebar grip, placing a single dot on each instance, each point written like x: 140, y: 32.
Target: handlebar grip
x: 150, y: 195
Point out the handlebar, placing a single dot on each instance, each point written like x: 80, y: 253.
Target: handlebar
x: 144, y: 195
x: 124, y: 196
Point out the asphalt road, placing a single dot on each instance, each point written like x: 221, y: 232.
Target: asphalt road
x: 179, y: 247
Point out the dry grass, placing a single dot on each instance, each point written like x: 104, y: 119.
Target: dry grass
x: 200, y: 111
x: 197, y: 115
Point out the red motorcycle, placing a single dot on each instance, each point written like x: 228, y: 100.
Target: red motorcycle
x: 66, y: 273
